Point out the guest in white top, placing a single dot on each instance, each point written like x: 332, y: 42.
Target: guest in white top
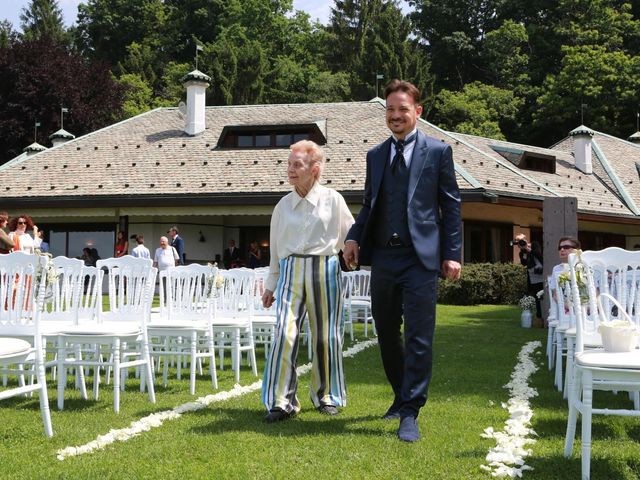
x: 140, y: 251
x: 24, y: 242
x: 308, y: 228
x: 166, y: 256
x: 566, y: 246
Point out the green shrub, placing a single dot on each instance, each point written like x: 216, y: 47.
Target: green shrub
x: 485, y: 283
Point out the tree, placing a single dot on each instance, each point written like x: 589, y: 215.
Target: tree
x: 43, y: 18
x: 453, y: 32
x: 606, y: 82
x: 370, y: 38
x: 106, y: 28
x: 478, y: 109
x: 41, y: 75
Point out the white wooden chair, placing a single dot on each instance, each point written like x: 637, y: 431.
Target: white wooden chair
x: 22, y: 290
x: 607, y: 274
x: 232, y: 322
x: 120, y: 334
x: 181, y: 328
x: 264, y: 319
x: 357, y: 291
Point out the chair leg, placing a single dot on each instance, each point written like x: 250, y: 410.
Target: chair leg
x: 116, y: 375
x: 41, y: 376
x: 80, y: 380
x: 212, y: 362
x: 558, y: 371
x: 574, y: 398
x: 194, y: 361
x: 236, y: 353
x: 587, y: 404
x: 62, y: 374
x: 148, y: 370
x: 550, y: 350
x: 570, y: 366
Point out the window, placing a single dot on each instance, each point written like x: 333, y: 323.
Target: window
x: 269, y: 136
x: 70, y: 243
x: 487, y: 242
x: 526, y: 160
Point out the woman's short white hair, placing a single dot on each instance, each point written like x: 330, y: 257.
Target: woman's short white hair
x: 313, y: 152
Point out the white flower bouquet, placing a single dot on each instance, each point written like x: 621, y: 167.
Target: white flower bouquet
x: 214, y: 282
x: 527, y: 302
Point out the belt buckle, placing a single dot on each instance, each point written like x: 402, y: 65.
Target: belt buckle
x: 395, y: 241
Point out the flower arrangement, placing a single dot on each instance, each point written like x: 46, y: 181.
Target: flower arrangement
x: 565, y: 278
x: 527, y: 302
x: 214, y: 281
x: 49, y: 271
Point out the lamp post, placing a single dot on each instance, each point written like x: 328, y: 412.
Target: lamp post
x: 378, y: 77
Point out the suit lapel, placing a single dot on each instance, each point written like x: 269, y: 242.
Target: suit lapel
x: 418, y: 161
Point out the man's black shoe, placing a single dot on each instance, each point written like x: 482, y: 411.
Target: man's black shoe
x: 328, y: 410
x: 277, y: 415
x: 408, y: 431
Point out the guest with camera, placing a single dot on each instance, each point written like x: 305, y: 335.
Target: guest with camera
x: 531, y: 257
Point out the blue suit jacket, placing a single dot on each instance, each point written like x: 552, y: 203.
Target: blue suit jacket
x: 433, y: 204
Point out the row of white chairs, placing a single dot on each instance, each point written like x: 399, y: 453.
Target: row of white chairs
x: 604, y: 286
x: 195, y: 322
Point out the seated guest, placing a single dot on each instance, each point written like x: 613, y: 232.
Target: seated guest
x: 6, y: 244
x: 22, y: 240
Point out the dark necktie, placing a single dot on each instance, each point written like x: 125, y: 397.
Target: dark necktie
x: 398, y: 158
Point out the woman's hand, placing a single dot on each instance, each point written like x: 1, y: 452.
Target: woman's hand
x: 267, y: 299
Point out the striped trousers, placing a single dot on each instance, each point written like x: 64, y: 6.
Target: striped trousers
x: 307, y: 285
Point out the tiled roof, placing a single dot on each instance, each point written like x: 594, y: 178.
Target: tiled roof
x: 150, y: 156
x: 593, y: 196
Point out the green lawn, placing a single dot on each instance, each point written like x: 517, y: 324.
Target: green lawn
x: 476, y: 349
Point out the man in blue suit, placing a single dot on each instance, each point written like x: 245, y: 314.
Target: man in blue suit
x: 409, y: 229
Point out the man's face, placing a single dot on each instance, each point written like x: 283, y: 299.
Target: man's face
x: 164, y: 242
x: 172, y: 233
x: 402, y: 113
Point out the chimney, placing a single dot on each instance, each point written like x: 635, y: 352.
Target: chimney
x: 582, y: 148
x: 34, y: 148
x: 60, y: 137
x: 196, y: 83
x: 635, y: 138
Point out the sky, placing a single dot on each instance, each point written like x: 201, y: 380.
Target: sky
x: 10, y: 10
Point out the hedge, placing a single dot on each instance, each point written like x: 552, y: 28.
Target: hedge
x: 485, y: 283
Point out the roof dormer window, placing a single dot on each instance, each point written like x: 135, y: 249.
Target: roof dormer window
x: 271, y: 136
x: 527, y: 160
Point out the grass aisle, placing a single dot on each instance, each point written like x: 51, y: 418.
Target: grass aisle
x: 476, y: 350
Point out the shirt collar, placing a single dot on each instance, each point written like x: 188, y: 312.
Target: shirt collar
x: 407, y: 136
x: 313, y: 197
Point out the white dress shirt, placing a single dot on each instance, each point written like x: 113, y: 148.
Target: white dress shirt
x: 141, y: 252
x: 316, y: 224
x: 408, y: 149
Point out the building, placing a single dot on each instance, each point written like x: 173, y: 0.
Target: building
x: 217, y: 173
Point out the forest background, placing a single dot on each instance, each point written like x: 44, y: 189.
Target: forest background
x: 527, y: 71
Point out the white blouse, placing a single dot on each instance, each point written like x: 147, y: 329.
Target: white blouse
x: 27, y: 243
x: 316, y: 224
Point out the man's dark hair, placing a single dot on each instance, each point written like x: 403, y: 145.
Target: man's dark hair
x: 396, y: 85
x: 575, y: 241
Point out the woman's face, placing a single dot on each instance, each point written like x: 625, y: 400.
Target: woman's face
x: 565, y: 249
x: 3, y: 223
x: 22, y: 224
x: 300, y: 172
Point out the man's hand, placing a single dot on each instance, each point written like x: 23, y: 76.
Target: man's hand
x: 267, y: 299
x: 350, y: 254
x: 451, y: 269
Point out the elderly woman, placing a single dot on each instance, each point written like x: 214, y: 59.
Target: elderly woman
x: 308, y: 228
x: 6, y: 244
x: 24, y: 242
